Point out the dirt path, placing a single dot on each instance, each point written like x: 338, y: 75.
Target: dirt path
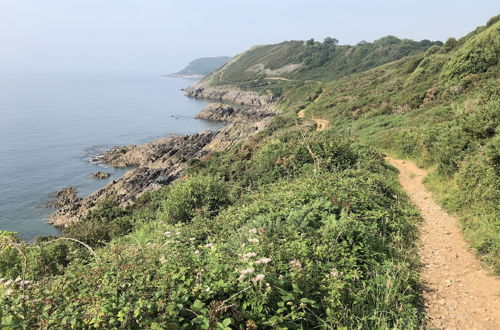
x: 321, y: 124
x: 458, y: 293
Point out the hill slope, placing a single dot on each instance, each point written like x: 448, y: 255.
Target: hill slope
x: 312, y: 60
x: 203, y: 66
x: 290, y: 227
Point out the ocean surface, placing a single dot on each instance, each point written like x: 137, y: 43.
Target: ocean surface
x: 52, y: 124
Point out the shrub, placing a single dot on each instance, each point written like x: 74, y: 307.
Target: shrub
x: 477, y: 55
x: 199, y: 195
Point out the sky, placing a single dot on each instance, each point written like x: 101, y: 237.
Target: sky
x: 162, y: 36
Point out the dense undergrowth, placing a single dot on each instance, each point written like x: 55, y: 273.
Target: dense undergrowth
x: 286, y: 231
x: 292, y: 228
x: 442, y: 109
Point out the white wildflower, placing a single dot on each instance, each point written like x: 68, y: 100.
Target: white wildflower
x: 263, y: 261
x: 258, y: 278
x: 167, y: 233
x: 334, y: 272
x: 244, y: 273
x: 8, y: 283
x: 197, y: 252
x: 163, y: 260
x: 209, y: 246
x: 249, y: 255
x: 253, y: 231
x: 2, y: 280
x: 253, y: 240
x: 192, y: 239
x: 296, y: 264
x: 247, y: 271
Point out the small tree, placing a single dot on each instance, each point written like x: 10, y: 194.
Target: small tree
x: 330, y: 41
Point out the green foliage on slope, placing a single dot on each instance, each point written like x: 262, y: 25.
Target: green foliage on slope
x: 311, y: 60
x: 441, y: 109
x: 204, y: 65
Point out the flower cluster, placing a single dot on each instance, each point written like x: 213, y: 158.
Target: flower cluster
x: 258, y: 278
x: 263, y: 261
x: 295, y: 264
x: 244, y: 273
x: 248, y: 255
x: 334, y: 272
x: 18, y: 281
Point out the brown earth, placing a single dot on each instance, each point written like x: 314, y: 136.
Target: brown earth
x: 321, y: 124
x: 458, y: 293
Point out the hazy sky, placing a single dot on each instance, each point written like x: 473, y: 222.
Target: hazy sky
x: 158, y: 36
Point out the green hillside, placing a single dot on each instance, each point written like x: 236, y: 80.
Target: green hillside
x: 204, y: 65
x: 441, y: 108
x: 293, y: 228
x: 312, y: 60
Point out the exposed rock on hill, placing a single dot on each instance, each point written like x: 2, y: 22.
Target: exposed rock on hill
x: 229, y: 94
x: 229, y: 113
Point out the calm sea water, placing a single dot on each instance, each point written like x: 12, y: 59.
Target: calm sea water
x: 51, y: 125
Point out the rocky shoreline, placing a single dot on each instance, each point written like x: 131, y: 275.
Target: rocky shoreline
x: 162, y: 161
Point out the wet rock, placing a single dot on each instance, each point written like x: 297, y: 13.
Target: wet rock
x: 66, y: 196
x: 101, y: 175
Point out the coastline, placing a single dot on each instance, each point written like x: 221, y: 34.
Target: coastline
x: 184, y: 76
x: 161, y: 162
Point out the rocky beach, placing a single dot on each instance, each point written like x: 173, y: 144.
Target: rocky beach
x: 160, y: 162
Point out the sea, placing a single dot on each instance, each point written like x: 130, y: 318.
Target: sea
x: 51, y: 125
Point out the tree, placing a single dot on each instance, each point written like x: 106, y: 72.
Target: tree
x: 330, y: 41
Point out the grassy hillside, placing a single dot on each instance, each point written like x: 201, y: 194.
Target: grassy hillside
x: 312, y: 60
x: 441, y: 108
x: 293, y: 228
x: 204, y: 65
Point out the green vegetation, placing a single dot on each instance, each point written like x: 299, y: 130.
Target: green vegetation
x: 292, y: 228
x: 205, y: 65
x: 442, y: 109
x: 313, y: 232
x: 311, y: 60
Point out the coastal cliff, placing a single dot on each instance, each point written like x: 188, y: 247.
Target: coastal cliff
x: 162, y: 161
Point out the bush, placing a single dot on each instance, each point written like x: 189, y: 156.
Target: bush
x: 199, y: 195
x: 477, y: 55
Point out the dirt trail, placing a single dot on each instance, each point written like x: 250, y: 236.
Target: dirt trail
x: 458, y: 293
x: 322, y: 124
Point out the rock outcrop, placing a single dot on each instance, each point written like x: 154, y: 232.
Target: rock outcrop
x: 230, y: 114
x: 66, y: 196
x: 160, y: 162
x: 229, y: 94
x: 101, y: 175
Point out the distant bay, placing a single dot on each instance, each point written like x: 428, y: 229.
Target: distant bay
x: 51, y: 125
